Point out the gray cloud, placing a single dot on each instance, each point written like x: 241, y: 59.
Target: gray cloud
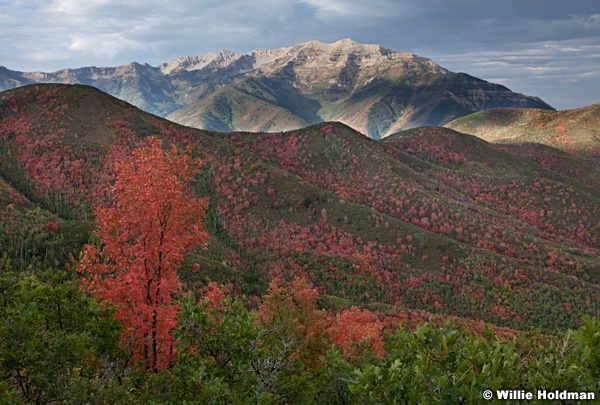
x: 547, y: 48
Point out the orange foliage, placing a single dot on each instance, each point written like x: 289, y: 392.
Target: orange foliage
x: 156, y: 219
x: 357, y: 326
x: 291, y: 314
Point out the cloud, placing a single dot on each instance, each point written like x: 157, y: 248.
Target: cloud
x: 104, y: 45
x: 522, y: 42
x: 563, y: 73
x: 342, y: 9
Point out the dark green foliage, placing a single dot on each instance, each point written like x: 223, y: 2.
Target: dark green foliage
x: 214, y: 363
x: 53, y: 339
x: 56, y: 345
x: 212, y: 263
x: 31, y: 241
x: 13, y: 171
x: 449, y: 365
x: 429, y: 365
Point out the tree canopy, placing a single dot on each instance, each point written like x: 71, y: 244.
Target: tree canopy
x: 144, y: 235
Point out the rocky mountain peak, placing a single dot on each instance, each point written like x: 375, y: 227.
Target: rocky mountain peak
x: 373, y: 89
x: 215, y: 60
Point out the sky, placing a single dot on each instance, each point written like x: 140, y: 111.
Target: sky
x: 544, y: 48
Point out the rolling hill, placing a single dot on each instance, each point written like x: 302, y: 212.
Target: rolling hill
x: 429, y: 222
x: 575, y: 131
x: 372, y: 89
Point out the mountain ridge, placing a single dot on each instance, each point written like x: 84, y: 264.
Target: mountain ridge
x: 574, y: 131
x: 373, y: 89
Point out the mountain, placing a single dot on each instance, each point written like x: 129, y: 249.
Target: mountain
x: 575, y: 131
x: 374, y: 90
x: 425, y: 223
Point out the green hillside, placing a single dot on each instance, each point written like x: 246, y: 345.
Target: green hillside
x: 431, y: 264
x: 437, y: 221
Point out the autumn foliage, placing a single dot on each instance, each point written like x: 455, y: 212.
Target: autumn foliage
x: 290, y: 315
x: 155, y: 220
x: 291, y: 320
x: 357, y: 326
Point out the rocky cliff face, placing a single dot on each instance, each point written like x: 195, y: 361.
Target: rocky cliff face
x: 370, y: 88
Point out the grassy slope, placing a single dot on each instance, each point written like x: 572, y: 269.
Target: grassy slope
x: 576, y: 131
x: 505, y: 158
x: 395, y: 226
x: 231, y: 108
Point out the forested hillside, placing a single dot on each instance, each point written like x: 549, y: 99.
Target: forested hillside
x: 430, y: 265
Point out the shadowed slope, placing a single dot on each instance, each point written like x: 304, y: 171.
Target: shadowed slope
x: 375, y: 90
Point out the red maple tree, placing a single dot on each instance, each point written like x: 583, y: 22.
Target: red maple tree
x: 155, y: 220
x: 358, y: 326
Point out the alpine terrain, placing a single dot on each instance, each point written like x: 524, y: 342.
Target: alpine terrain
x: 374, y: 90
